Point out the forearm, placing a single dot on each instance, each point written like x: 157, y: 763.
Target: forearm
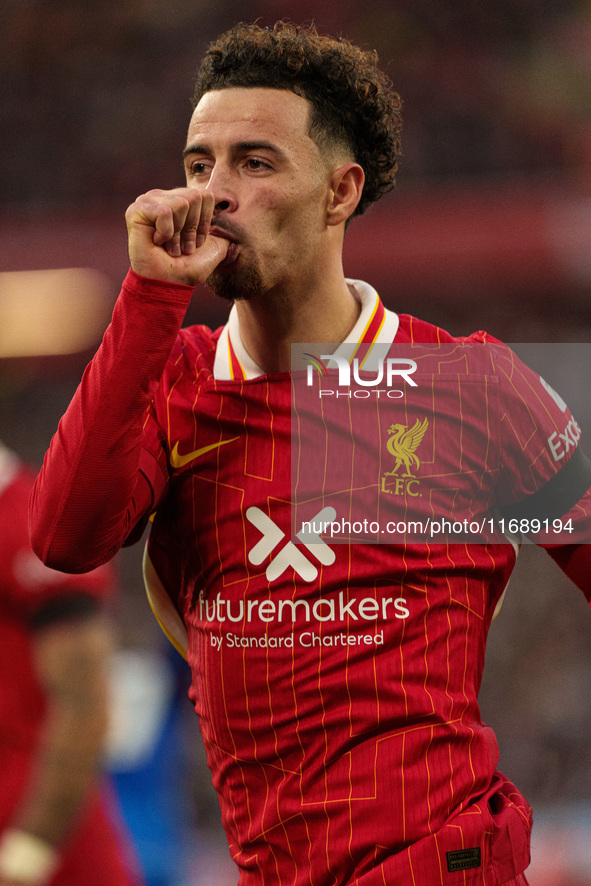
x: 90, y: 491
x: 67, y: 762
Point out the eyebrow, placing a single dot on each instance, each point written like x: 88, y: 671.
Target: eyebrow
x: 238, y: 147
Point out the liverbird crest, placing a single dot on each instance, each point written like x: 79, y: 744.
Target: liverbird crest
x: 402, y: 443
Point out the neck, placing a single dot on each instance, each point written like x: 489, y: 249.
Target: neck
x: 321, y: 311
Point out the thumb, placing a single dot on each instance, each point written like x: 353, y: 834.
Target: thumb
x: 212, y: 253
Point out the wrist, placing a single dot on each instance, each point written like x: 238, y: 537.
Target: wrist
x: 160, y: 281
x: 157, y: 291
x: 26, y: 859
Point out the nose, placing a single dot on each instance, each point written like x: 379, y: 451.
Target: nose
x: 222, y: 206
x: 222, y: 187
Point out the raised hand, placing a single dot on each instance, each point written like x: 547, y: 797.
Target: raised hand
x: 168, y: 235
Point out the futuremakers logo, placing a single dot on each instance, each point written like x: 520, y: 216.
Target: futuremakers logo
x: 289, y: 554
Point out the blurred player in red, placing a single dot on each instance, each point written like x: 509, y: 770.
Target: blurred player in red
x: 56, y: 824
x: 336, y: 685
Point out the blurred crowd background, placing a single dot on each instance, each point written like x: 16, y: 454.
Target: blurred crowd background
x: 489, y: 227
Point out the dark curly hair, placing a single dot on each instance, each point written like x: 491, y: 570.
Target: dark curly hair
x: 353, y: 102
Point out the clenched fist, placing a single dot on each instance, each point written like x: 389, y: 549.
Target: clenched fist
x: 168, y: 236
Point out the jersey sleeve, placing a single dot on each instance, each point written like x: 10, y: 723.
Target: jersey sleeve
x: 105, y: 469
x: 544, y: 472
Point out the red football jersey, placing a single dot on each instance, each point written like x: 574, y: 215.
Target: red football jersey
x: 29, y: 590
x: 336, y: 684
x: 32, y: 595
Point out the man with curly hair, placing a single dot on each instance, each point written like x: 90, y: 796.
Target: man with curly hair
x: 336, y: 686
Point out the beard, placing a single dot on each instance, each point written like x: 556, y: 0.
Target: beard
x: 240, y: 285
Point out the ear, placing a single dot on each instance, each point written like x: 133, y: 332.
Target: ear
x: 346, y: 185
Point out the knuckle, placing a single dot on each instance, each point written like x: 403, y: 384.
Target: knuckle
x: 163, y: 210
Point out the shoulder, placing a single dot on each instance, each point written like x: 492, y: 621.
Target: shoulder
x: 413, y: 329
x: 194, y: 351
x: 23, y: 577
x: 16, y: 482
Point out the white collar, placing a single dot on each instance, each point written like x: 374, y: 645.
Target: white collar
x: 375, y: 326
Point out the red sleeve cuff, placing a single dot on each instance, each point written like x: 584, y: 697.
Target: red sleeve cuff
x: 156, y: 290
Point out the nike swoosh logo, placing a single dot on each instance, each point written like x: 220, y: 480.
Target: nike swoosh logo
x: 179, y: 461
